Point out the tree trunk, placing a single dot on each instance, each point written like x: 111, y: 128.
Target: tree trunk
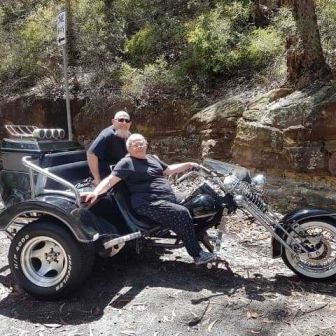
x: 305, y: 60
x: 260, y: 17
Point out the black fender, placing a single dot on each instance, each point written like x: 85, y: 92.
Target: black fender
x: 298, y: 216
x: 60, y: 207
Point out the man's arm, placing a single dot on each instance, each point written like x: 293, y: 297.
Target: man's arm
x: 94, y: 167
x: 179, y: 168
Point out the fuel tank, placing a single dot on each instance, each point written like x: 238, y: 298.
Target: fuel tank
x: 201, y: 205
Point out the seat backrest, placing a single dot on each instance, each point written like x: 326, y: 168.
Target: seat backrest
x: 73, y: 172
x: 122, y: 196
x: 60, y: 158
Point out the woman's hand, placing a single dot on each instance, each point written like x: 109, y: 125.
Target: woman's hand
x: 193, y: 165
x: 89, y: 197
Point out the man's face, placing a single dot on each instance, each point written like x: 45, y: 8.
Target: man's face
x: 138, y: 147
x: 122, y: 122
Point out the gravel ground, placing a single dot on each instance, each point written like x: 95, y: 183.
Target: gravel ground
x: 166, y: 294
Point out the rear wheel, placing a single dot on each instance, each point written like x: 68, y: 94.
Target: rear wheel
x: 47, y: 261
x: 319, y: 239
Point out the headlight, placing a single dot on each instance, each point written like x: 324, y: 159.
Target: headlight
x: 259, y: 181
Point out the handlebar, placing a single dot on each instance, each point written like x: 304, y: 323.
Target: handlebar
x: 208, y: 171
x: 195, y: 171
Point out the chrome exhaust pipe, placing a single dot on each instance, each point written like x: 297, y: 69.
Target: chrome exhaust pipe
x: 123, y: 239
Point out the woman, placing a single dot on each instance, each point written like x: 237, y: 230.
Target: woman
x: 151, y: 194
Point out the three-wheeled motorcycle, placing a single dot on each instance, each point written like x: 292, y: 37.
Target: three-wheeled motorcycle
x: 54, y: 237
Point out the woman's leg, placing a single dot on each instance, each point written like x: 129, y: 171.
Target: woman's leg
x: 175, y: 217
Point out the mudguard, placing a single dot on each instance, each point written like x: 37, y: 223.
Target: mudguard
x: 62, y: 208
x: 298, y: 216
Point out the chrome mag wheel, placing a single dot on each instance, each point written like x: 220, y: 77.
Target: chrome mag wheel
x: 44, y: 261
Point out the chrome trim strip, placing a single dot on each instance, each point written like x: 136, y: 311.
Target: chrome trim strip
x: 45, y: 172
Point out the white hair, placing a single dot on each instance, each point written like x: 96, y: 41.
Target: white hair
x: 133, y: 137
x: 121, y: 114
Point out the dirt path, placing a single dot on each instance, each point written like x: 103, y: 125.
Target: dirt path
x: 153, y: 294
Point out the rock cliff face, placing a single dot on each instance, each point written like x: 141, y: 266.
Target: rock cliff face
x: 289, y: 136
x: 36, y: 110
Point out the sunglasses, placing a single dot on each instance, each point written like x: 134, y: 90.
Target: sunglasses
x: 127, y: 121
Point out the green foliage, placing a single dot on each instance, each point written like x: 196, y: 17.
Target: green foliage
x: 326, y: 10
x: 263, y: 45
x: 223, y: 42
x: 97, y: 35
x: 142, y: 44
x: 27, y: 30
x: 38, y: 41
x: 146, y: 48
x: 152, y: 83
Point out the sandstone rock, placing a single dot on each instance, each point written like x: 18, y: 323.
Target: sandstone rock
x: 259, y: 104
x: 303, y: 125
x: 217, y: 127
x: 37, y: 110
x: 289, y: 191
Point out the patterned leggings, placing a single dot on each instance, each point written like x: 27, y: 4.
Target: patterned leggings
x: 175, y: 217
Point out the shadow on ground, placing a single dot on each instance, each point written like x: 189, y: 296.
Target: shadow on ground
x: 116, y: 282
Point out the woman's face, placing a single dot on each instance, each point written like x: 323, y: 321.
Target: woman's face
x: 138, y: 147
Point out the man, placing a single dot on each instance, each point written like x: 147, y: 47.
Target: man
x: 151, y: 194
x: 109, y: 147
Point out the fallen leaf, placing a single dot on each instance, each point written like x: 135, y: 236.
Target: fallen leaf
x: 211, y: 325
x: 252, y: 314
x: 128, y: 332
x: 52, y: 325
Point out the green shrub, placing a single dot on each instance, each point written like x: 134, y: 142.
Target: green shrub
x: 141, y: 46
x: 326, y: 14
x: 40, y: 55
x: 264, y: 45
x: 155, y: 81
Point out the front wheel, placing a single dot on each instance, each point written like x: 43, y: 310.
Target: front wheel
x: 47, y: 261
x: 319, y: 239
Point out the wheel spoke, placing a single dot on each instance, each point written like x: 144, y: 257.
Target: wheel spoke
x: 321, y: 262
x: 58, y: 266
x: 44, y: 269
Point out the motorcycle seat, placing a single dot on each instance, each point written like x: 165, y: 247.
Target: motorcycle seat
x: 135, y: 222
x: 73, y: 172
x: 60, y: 158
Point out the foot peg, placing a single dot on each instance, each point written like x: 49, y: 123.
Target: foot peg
x: 116, y: 241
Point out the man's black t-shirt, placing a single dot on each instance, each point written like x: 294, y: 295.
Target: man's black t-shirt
x: 144, y: 178
x: 109, y: 148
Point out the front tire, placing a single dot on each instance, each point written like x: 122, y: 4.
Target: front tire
x: 322, y: 264
x: 47, y: 261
